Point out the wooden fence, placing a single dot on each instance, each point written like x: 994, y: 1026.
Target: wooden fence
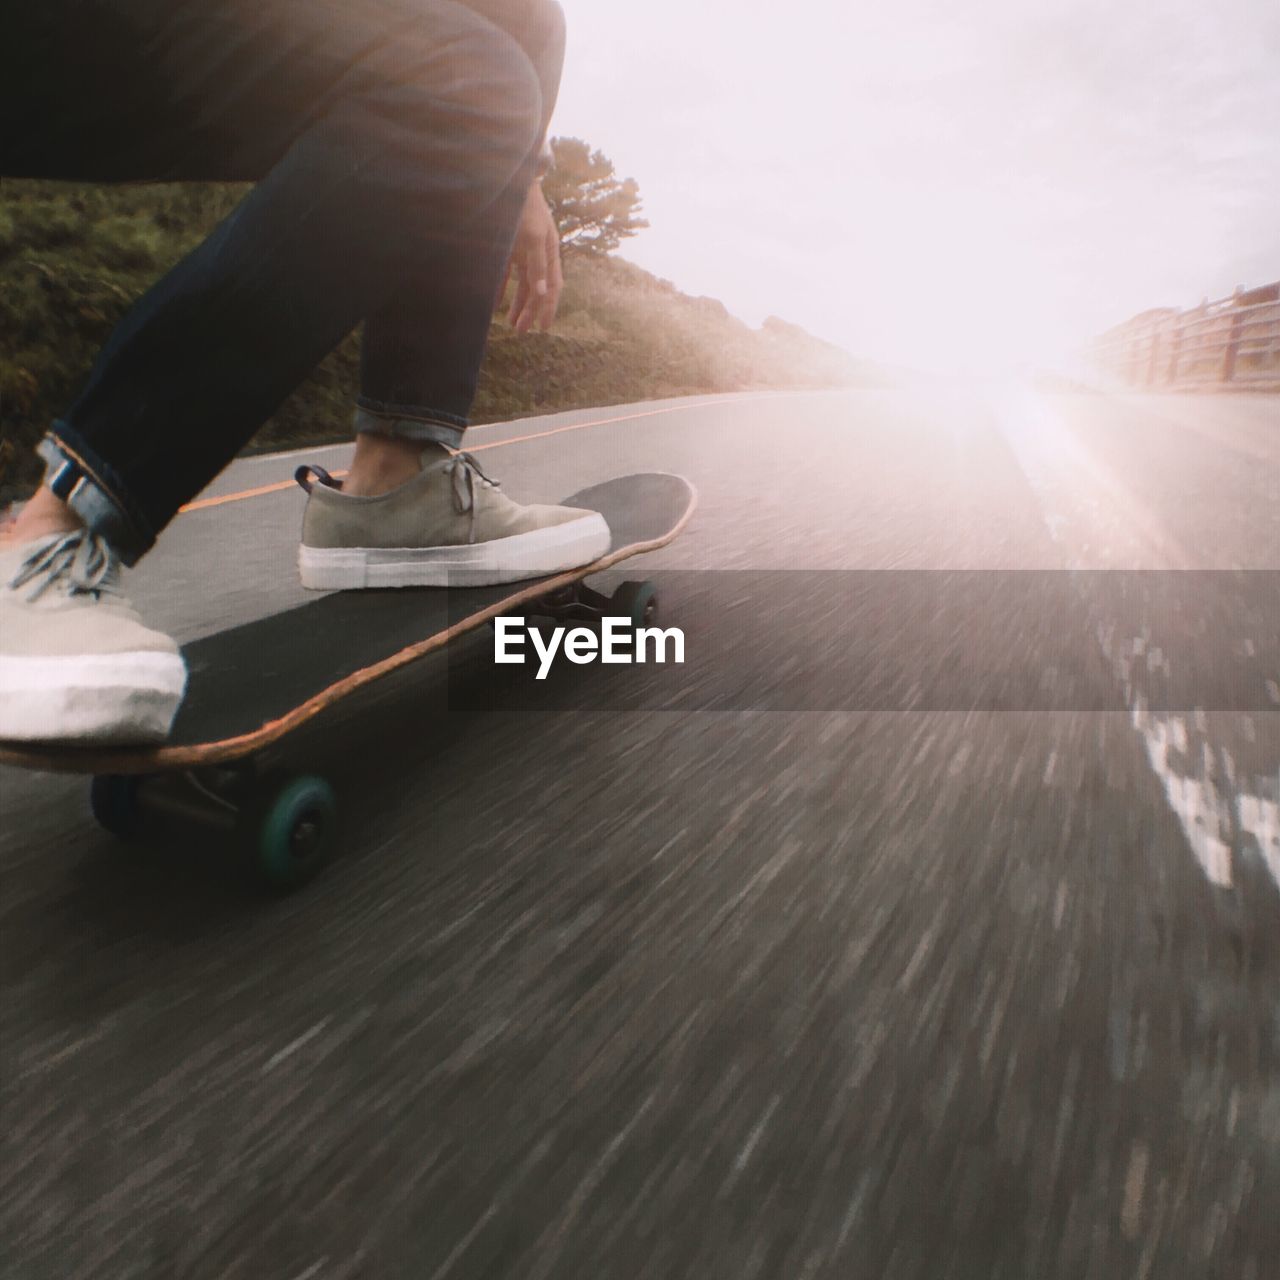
x: 1234, y: 342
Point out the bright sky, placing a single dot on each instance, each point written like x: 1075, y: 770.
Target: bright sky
x: 941, y: 184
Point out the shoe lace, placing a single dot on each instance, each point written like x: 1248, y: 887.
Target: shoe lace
x: 465, y: 472
x: 82, y: 563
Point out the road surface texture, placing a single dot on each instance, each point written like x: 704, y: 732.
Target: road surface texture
x: 925, y: 925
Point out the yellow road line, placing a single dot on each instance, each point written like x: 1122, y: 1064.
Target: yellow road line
x: 203, y: 504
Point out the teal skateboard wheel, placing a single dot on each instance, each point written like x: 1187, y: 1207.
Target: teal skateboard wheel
x: 637, y: 601
x: 290, y: 828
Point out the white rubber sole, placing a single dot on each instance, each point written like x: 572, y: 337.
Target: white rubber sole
x: 526, y: 555
x: 123, y: 699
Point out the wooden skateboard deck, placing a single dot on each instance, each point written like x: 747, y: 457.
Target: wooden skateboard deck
x: 253, y: 684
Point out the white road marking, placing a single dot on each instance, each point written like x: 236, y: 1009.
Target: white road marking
x: 1213, y: 805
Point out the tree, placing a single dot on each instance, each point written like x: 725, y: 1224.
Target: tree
x: 594, y: 209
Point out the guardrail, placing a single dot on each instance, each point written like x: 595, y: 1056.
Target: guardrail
x: 1232, y: 342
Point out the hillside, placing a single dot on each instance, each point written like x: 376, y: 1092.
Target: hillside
x: 72, y: 259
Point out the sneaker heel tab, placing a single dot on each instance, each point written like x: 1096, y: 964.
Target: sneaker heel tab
x: 304, y: 476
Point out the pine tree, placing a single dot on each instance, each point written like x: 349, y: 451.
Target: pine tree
x: 594, y: 209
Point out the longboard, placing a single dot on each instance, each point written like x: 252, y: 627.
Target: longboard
x: 251, y: 686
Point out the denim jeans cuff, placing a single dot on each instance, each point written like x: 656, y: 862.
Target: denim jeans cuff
x: 73, y: 476
x: 448, y: 431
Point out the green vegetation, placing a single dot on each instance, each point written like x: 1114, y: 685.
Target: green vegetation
x: 73, y: 258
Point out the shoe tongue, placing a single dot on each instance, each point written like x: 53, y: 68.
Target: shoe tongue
x: 432, y: 452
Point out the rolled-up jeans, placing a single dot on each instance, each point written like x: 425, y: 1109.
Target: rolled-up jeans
x: 392, y: 143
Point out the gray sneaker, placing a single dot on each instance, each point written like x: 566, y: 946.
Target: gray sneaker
x: 448, y: 526
x: 76, y: 663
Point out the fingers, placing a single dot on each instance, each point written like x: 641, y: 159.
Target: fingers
x: 520, y: 298
x: 502, y: 288
x: 534, y: 283
x: 555, y: 281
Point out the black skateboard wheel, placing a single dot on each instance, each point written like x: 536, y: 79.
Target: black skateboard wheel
x: 113, y: 798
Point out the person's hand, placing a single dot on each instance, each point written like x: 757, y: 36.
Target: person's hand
x: 535, y: 259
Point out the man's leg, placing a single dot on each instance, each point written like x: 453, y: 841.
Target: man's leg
x: 389, y: 132
x: 414, y: 512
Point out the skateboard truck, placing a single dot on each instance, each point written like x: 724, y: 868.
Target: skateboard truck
x: 285, y: 824
x: 577, y: 602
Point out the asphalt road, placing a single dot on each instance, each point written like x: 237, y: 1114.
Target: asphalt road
x: 926, y: 925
